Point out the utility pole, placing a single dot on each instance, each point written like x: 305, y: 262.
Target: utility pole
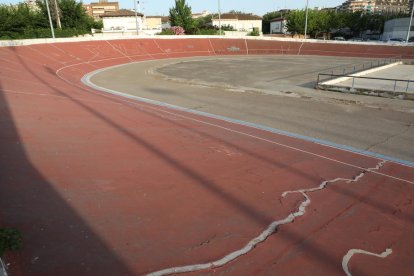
x: 50, y: 18
x: 306, y: 18
x: 219, y: 10
x: 411, y: 22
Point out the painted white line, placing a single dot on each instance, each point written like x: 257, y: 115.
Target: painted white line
x: 80, y: 99
x: 86, y: 80
x: 232, y: 130
x: 117, y: 50
x: 282, y: 145
x: 351, y: 253
x: 270, y: 229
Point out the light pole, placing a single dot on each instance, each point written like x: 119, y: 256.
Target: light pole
x: 50, y: 18
x: 219, y: 10
x: 306, y: 18
x: 136, y: 15
x: 411, y: 22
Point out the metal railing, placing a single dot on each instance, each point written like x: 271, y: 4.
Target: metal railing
x: 345, y: 70
x: 394, y: 83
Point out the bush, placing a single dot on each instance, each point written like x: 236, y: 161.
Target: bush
x: 29, y: 32
x: 254, y: 33
x: 166, y: 32
x: 10, y: 239
x: 207, y: 32
x: 175, y: 30
x: 227, y: 28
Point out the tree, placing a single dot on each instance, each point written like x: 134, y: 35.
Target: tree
x: 181, y: 15
x: 73, y: 15
x: 21, y: 22
x: 235, y: 12
x: 271, y: 15
x: 16, y: 22
x: 296, y: 22
x: 267, y: 18
x: 203, y: 21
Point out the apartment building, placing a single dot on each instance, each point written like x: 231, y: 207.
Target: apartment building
x: 97, y: 9
x: 376, y: 6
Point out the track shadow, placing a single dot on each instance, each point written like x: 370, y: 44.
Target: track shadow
x: 300, y: 124
x: 343, y: 190
x: 80, y: 251
x: 53, y: 233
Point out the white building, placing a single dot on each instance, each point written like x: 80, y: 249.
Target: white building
x: 201, y: 14
x: 122, y: 20
x: 239, y: 22
x: 153, y: 23
x: 397, y: 28
x: 278, y: 26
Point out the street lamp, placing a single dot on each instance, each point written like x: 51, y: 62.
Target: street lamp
x: 306, y: 18
x: 136, y: 15
x: 50, y: 18
x: 219, y: 11
x: 411, y: 22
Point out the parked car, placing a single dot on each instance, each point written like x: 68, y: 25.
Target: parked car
x: 411, y: 39
x: 339, y: 38
x: 356, y: 39
x: 398, y: 40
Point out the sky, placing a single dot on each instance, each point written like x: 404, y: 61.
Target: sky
x: 259, y: 7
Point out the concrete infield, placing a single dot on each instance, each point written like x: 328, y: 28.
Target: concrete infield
x: 102, y: 184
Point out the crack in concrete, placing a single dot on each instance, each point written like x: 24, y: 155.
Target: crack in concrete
x: 390, y: 137
x: 351, y: 253
x: 271, y: 229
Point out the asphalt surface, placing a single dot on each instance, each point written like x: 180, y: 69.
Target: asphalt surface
x: 276, y: 92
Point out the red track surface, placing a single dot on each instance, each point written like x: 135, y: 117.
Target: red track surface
x: 101, y: 185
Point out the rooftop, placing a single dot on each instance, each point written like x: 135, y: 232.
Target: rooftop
x: 121, y: 13
x: 241, y: 16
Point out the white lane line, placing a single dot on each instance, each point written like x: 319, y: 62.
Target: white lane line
x: 270, y: 229
x: 69, y: 98
x: 45, y: 56
x: 117, y: 50
x: 282, y: 145
x: 134, y: 103
x: 352, y: 252
x: 86, y: 80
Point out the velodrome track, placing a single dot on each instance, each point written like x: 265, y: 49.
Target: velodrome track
x: 104, y: 185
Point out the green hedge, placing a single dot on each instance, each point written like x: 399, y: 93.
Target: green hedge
x: 29, y: 33
x: 166, y: 32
